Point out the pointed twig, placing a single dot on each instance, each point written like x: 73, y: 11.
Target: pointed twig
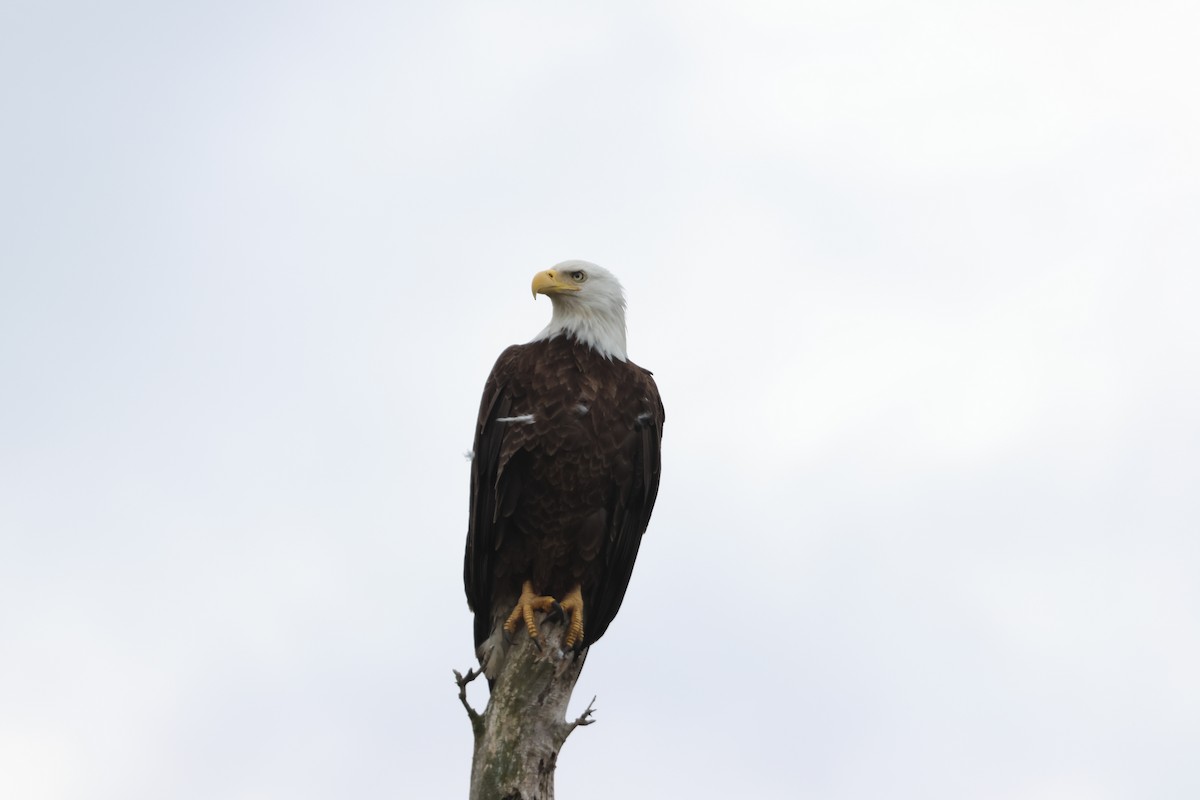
x: 583, y: 719
x: 462, y: 681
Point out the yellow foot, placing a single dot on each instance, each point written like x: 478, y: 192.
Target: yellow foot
x: 572, y: 604
x: 526, y: 605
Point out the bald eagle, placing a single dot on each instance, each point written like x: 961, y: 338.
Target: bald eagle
x: 564, y: 471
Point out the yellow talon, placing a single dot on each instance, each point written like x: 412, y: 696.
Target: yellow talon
x: 572, y: 603
x: 526, y: 605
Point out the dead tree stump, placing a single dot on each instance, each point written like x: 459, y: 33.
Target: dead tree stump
x: 519, y: 734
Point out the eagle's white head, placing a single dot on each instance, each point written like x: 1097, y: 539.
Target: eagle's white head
x: 589, y: 304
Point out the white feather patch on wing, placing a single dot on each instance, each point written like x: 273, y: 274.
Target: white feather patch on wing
x: 492, y: 653
x: 525, y: 418
x: 582, y: 408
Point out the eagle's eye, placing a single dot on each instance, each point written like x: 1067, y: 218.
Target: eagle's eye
x: 579, y: 276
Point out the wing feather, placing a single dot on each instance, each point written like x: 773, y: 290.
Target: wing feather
x: 631, y: 514
x: 493, y: 493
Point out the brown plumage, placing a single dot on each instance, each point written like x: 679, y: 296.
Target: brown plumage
x: 563, y: 479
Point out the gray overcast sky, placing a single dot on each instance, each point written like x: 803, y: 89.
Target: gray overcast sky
x: 918, y: 284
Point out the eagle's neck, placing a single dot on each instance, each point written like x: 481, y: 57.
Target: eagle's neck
x: 602, y: 329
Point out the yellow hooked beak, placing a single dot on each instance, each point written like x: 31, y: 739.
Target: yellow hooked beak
x: 550, y: 282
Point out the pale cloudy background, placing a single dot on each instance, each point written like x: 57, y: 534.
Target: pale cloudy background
x: 917, y: 281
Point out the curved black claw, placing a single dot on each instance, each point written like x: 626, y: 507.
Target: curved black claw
x: 557, y: 614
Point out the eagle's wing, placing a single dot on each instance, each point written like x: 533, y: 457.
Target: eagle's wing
x: 631, y: 513
x: 494, y: 491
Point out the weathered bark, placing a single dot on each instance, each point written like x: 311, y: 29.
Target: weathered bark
x: 518, y: 736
